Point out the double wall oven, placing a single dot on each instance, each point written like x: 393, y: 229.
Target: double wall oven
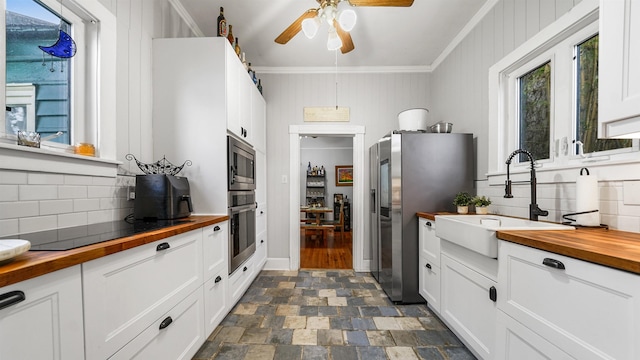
x: 242, y: 201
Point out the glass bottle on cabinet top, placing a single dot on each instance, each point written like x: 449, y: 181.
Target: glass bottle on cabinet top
x: 222, y: 24
x: 230, y: 35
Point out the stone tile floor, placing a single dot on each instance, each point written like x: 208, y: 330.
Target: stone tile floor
x: 341, y: 315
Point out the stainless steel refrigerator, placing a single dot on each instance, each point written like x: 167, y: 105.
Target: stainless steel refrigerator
x: 411, y: 172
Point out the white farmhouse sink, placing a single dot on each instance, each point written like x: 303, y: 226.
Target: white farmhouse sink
x: 478, y: 232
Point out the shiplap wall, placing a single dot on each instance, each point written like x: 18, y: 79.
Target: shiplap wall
x: 32, y: 201
x: 374, y: 100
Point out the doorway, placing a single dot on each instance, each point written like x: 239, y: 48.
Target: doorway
x: 325, y: 197
x: 357, y: 204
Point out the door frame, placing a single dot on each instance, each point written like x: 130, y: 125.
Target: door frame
x: 357, y: 206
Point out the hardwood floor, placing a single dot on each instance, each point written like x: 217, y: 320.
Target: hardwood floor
x: 336, y: 253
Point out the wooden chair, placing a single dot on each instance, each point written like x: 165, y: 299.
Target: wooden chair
x: 337, y: 224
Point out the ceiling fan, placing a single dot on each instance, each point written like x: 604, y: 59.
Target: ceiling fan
x: 340, y: 18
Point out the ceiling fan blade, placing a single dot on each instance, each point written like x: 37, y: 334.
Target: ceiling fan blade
x: 400, y: 3
x: 295, y: 27
x: 347, y: 42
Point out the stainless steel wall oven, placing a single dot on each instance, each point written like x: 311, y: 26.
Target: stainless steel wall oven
x: 242, y: 202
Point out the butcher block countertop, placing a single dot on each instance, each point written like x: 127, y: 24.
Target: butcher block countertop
x: 613, y: 248
x: 36, y: 263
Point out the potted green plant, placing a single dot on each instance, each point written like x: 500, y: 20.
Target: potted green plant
x: 481, y: 203
x: 462, y: 201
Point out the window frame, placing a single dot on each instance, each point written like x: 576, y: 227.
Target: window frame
x: 557, y: 40
x: 101, y: 47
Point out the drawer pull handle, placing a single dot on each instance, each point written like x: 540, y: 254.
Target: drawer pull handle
x: 217, y: 228
x: 166, y: 322
x: 261, y: 241
x: 261, y: 212
x: 218, y: 279
x: 553, y: 263
x: 245, y: 269
x: 428, y: 223
x: 493, y: 293
x: 163, y: 246
x: 11, y: 298
x: 428, y: 266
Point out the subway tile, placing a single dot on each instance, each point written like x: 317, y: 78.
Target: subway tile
x: 94, y: 217
x: 101, y: 191
x: 9, y: 227
x: 9, y: 193
x: 38, y: 192
x: 35, y: 178
x: 104, y: 181
x: 13, y: 177
x: 78, y: 180
x: 38, y: 223
x: 86, y: 205
x: 72, y: 219
x: 21, y: 209
x: 72, y: 192
x: 50, y: 207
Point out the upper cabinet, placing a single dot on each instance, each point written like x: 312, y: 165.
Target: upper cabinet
x: 619, y: 69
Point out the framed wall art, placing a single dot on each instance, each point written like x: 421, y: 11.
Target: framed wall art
x: 344, y: 175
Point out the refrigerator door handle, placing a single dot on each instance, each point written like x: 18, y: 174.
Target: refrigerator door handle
x: 373, y: 201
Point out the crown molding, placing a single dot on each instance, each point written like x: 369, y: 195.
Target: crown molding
x: 341, y: 70
x: 184, y: 14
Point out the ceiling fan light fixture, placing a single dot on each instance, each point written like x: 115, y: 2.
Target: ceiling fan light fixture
x: 310, y: 27
x: 346, y: 17
x: 333, y: 40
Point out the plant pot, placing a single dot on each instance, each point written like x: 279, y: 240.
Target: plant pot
x: 482, y: 210
x: 463, y: 209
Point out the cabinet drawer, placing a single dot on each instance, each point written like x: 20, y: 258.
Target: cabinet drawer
x: 215, y: 245
x: 178, y: 334
x: 515, y: 341
x: 215, y: 300
x: 261, y: 250
x: 589, y: 311
x: 47, y: 324
x: 430, y: 283
x: 240, y: 280
x: 429, y: 242
x: 261, y: 218
x: 125, y: 293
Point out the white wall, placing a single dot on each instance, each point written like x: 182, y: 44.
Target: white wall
x: 32, y: 201
x: 374, y: 99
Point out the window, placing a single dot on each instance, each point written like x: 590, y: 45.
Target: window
x: 544, y: 99
x: 534, y: 113
x: 57, y: 100
x: 586, y: 62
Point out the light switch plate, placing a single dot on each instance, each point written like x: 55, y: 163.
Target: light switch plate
x: 631, y: 192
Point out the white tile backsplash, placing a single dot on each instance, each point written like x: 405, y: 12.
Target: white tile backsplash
x: 13, y: 177
x: 38, y: 223
x: 19, y: 209
x: 38, y: 192
x: 78, y: 180
x: 9, y: 193
x: 101, y: 192
x: 72, y: 192
x: 45, y: 179
x: 73, y: 219
x: 83, y: 205
x: 51, y: 207
x: 99, y: 216
x: 9, y: 227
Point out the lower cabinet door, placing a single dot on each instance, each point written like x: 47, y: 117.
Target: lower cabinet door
x: 430, y: 283
x: 43, y: 317
x: 466, y: 306
x: 240, y: 280
x: 516, y: 341
x: 215, y: 300
x: 176, y: 335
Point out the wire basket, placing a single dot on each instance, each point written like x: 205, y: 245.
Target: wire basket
x: 162, y: 166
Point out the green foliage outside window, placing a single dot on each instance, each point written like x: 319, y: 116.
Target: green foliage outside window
x: 535, y: 112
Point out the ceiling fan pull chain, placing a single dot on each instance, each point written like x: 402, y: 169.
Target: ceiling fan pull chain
x: 336, y: 53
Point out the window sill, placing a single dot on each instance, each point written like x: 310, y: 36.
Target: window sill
x: 23, y: 158
x: 605, y: 171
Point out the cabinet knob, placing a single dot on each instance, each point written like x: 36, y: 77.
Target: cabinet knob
x: 493, y: 293
x: 428, y: 266
x: 218, y: 279
x: 11, y: 298
x: 217, y: 228
x: 163, y: 246
x: 261, y: 241
x: 553, y: 263
x: 166, y: 322
x: 245, y: 269
x: 428, y: 223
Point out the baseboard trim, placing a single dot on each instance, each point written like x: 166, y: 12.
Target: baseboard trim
x: 277, y: 264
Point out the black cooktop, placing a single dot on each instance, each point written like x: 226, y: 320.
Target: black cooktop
x: 77, y: 236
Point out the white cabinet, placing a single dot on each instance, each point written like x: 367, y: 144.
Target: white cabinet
x: 240, y: 280
x: 258, y: 120
x: 467, y: 307
x: 127, y: 292
x: 586, y: 310
x: 429, y: 264
x: 619, y: 69
x: 215, y: 245
x: 47, y: 323
x: 177, y: 334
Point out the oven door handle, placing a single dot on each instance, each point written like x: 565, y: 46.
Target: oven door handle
x: 232, y: 174
x: 242, y: 208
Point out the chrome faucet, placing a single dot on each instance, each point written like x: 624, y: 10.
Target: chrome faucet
x: 534, y: 210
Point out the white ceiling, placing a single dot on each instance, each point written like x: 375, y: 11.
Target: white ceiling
x: 384, y: 36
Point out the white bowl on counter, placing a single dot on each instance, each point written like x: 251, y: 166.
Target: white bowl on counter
x: 13, y: 247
